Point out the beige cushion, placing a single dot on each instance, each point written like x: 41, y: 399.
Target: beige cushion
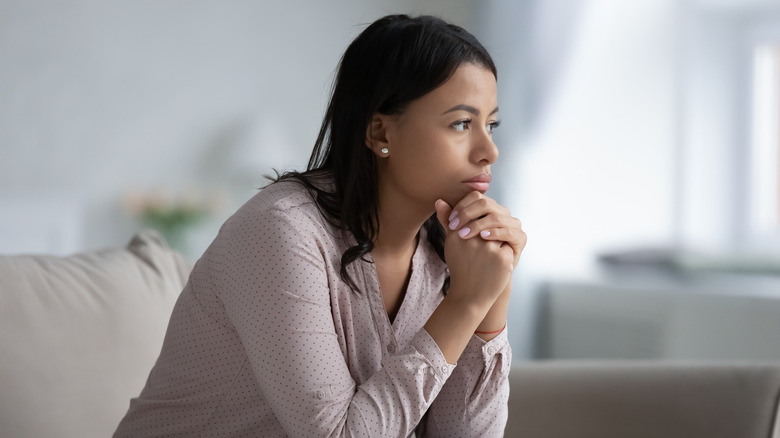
x: 79, y: 334
x: 643, y: 399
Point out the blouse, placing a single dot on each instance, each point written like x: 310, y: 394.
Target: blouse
x: 267, y: 340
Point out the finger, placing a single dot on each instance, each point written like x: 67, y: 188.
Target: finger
x: 488, y: 215
x: 516, y: 239
x: 468, y: 200
x: 510, y: 230
x: 472, y: 206
x: 477, y: 226
x: 483, y: 207
x: 443, y: 211
x: 478, y: 209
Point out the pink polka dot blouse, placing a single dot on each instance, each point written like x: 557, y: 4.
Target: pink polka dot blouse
x: 266, y: 340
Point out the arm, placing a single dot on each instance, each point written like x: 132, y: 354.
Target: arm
x: 480, y: 271
x: 473, y: 402
x: 477, y: 217
x: 277, y: 297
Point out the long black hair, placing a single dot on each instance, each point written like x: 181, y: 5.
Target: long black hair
x: 394, y: 61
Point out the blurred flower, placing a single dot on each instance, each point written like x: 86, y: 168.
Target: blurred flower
x: 171, y: 214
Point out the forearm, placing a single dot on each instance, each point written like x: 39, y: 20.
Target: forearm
x: 453, y: 323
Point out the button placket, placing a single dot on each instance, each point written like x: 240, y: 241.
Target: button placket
x: 377, y: 308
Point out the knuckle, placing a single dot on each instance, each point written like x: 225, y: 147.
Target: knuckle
x: 481, y: 223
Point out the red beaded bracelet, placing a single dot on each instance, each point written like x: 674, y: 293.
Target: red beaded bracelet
x: 490, y: 333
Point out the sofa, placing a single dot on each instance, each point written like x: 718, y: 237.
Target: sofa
x: 79, y: 334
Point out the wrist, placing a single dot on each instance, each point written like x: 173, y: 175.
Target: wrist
x: 470, y: 299
x: 471, y: 310
x: 495, y: 319
x: 494, y: 332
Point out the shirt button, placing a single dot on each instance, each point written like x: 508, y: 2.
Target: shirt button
x: 320, y: 395
x: 490, y: 350
x: 444, y: 370
x: 391, y: 348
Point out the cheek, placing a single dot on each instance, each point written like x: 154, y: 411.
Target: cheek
x: 433, y: 147
x: 420, y: 155
x: 429, y: 164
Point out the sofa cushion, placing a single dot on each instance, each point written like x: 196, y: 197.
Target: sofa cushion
x: 644, y: 399
x: 79, y: 334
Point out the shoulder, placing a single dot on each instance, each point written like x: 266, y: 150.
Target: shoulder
x: 287, y: 205
x: 281, y: 196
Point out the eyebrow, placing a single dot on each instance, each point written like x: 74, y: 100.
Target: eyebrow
x: 468, y: 108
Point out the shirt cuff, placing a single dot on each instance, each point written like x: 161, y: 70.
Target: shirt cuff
x: 479, y: 350
x: 425, y: 345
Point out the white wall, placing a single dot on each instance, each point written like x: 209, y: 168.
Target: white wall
x: 597, y: 167
x: 718, y: 159
x: 629, y: 128
x: 624, y: 122
x: 99, y: 98
x: 589, y: 159
x: 714, y: 101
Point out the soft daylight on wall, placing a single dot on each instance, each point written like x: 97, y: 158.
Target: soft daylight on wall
x: 638, y: 144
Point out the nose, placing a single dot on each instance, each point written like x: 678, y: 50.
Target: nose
x: 484, y: 150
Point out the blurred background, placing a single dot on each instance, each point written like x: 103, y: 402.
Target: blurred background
x: 639, y: 146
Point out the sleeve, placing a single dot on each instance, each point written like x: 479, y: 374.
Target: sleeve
x: 473, y: 402
x: 278, y: 299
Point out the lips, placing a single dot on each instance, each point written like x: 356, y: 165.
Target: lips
x: 480, y: 183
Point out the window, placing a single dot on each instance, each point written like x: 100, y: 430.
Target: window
x: 765, y: 159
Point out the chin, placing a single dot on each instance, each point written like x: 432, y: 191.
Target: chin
x: 453, y: 195
x: 454, y: 198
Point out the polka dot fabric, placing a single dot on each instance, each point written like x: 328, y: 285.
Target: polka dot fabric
x: 266, y: 340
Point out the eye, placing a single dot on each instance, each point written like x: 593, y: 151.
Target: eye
x: 493, y: 125
x: 461, y: 125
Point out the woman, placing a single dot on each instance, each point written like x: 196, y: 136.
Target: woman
x: 324, y: 307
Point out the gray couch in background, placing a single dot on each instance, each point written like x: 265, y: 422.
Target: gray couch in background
x: 644, y: 399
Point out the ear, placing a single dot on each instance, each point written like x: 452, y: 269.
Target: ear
x: 376, y: 134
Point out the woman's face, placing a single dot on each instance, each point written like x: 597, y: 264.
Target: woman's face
x: 441, y: 146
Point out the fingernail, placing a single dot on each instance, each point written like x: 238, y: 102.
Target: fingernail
x: 454, y: 224
x: 452, y: 215
x: 463, y: 232
x: 484, y: 233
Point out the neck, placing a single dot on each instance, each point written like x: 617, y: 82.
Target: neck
x: 399, y: 223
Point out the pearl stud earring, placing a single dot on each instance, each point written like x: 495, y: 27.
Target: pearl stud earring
x: 385, y: 150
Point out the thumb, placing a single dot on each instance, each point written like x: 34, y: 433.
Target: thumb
x: 443, y: 211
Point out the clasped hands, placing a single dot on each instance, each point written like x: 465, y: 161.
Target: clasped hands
x: 483, y: 244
